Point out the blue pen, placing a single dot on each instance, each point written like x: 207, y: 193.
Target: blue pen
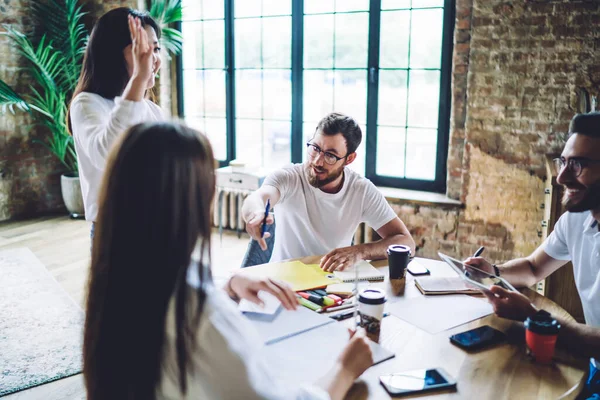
x: 264, y: 226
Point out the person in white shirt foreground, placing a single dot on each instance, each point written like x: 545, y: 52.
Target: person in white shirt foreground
x: 320, y: 203
x: 119, y: 68
x: 576, y: 238
x: 156, y: 327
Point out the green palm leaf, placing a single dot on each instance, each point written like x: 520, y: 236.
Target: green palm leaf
x: 166, y: 12
x: 9, y: 99
x: 62, y: 21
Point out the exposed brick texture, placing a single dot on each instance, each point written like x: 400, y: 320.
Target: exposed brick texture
x: 516, y: 68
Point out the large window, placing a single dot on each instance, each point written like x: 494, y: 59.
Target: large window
x: 257, y: 75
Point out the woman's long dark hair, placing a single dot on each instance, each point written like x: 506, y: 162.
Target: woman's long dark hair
x: 155, y: 204
x: 104, y: 69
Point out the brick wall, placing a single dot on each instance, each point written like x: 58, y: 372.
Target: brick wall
x: 517, y: 68
x: 29, y: 174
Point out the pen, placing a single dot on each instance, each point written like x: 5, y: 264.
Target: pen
x: 479, y: 251
x: 324, y: 301
x: 264, y: 226
x: 338, y: 308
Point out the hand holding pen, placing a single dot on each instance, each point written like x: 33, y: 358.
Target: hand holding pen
x: 257, y: 225
x: 479, y: 262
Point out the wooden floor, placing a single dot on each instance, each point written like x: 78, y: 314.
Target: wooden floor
x: 63, y: 246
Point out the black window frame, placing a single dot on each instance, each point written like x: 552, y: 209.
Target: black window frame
x: 297, y: 71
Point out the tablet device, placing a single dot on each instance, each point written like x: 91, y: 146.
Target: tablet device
x: 476, y: 277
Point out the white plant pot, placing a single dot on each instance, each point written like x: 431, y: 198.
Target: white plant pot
x: 71, y: 193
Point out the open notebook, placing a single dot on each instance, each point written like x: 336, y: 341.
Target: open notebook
x: 366, y: 272
x: 441, y: 285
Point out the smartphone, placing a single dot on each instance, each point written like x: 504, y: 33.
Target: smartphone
x: 416, y: 381
x: 478, y: 338
x: 417, y: 269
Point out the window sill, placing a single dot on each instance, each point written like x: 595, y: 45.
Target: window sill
x: 394, y: 195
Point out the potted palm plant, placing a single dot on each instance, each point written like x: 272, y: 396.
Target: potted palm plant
x: 54, y: 62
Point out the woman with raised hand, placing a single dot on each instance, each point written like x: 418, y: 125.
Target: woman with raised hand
x: 119, y: 68
x: 156, y: 326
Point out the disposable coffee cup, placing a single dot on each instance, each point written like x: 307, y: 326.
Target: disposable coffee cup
x: 398, y: 257
x: 540, y: 335
x: 371, y: 302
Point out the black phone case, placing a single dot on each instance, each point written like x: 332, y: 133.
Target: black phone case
x: 417, y: 273
x: 498, y: 337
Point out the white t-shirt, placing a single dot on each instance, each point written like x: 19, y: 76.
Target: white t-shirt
x: 228, y: 362
x: 312, y: 222
x: 576, y: 238
x: 96, y: 123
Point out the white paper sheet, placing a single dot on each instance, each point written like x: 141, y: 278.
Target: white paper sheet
x: 270, y: 307
x: 434, y: 314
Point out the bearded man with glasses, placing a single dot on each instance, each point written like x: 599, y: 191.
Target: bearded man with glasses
x: 576, y: 238
x: 320, y: 203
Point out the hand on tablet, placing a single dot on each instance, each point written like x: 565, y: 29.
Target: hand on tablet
x: 480, y: 263
x: 509, y: 304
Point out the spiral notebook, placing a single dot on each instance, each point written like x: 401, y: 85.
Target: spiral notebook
x: 366, y: 272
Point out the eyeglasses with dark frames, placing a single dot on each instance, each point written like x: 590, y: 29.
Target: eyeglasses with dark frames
x: 575, y: 165
x: 330, y: 158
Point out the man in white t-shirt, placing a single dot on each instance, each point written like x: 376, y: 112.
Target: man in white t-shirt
x: 576, y: 238
x: 320, y: 203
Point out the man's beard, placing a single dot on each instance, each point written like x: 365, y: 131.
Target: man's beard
x: 314, y: 180
x: 590, y: 200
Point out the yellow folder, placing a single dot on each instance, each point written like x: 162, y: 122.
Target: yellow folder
x: 299, y: 275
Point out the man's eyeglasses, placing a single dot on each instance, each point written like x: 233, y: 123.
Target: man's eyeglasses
x: 330, y: 158
x: 575, y: 165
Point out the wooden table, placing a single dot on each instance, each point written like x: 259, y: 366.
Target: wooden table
x: 501, y: 372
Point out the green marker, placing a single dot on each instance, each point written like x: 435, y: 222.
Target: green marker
x: 308, y: 304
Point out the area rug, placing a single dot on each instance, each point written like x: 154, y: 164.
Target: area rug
x: 41, y: 327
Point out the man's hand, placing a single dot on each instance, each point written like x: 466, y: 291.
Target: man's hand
x: 254, y: 223
x: 247, y: 287
x: 480, y: 263
x: 511, y: 305
x: 340, y: 259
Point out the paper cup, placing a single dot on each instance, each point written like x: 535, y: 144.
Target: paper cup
x: 371, y: 302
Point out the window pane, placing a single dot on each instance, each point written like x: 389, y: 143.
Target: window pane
x: 276, y: 7
x: 394, y: 4
x: 318, y: 94
x: 277, y: 146
x: 394, y: 39
x: 212, y: 8
x: 249, y: 139
x: 214, y: 44
x: 351, y: 40
x: 277, y: 42
x: 358, y: 165
x: 193, y: 102
x: 421, y: 149
x: 247, y: 43
x: 426, y: 38
x: 318, y: 41
x: 192, y: 45
x: 351, y: 5
x: 277, y: 92
x: 192, y: 9
x: 427, y: 3
x: 247, y: 8
x: 392, y: 98
x: 390, y: 151
x: 216, y: 131
x: 319, y: 6
x: 248, y: 91
x: 423, y: 99
x: 214, y: 97
x: 351, y: 94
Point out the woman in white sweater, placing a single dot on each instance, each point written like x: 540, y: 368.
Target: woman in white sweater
x: 156, y: 326
x: 119, y: 67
